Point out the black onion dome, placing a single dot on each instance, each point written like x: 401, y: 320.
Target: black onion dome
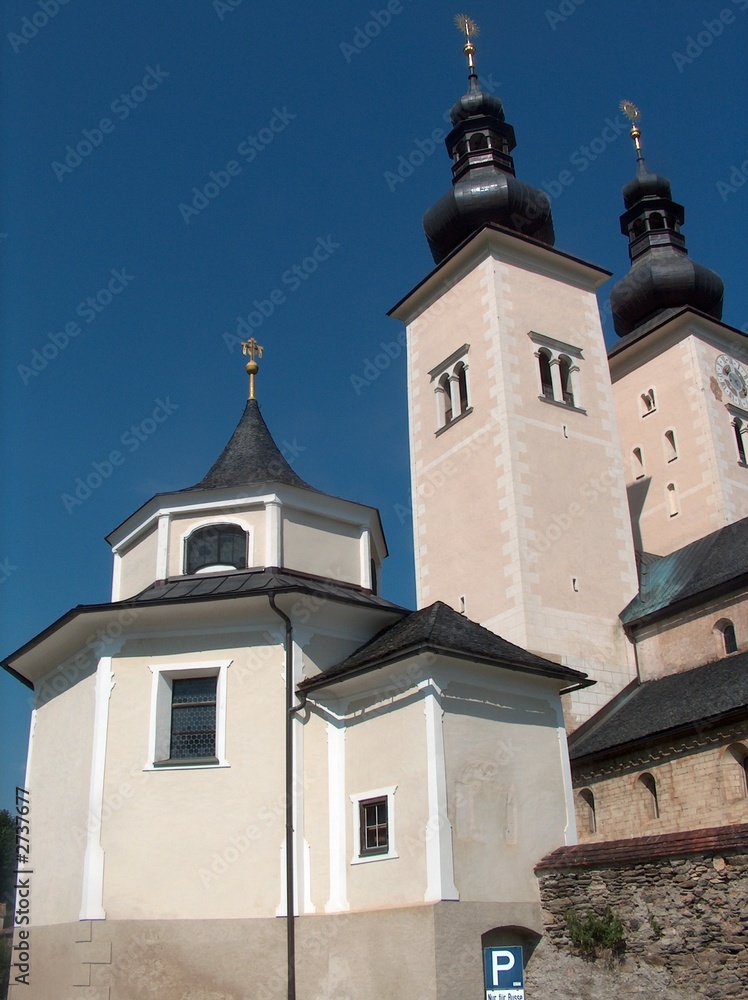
x: 663, y: 278
x: 484, y: 186
x: 664, y: 281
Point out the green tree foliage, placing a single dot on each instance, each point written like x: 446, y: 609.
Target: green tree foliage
x: 597, y: 936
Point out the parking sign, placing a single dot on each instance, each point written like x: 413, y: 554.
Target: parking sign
x: 504, y: 973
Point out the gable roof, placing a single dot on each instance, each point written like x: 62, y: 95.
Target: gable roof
x: 717, y: 560
x: 440, y: 629
x: 656, y: 709
x: 250, y: 457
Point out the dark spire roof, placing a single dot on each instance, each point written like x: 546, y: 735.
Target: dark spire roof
x: 440, y: 629
x: 485, y: 189
x: 663, y: 278
x: 251, y: 457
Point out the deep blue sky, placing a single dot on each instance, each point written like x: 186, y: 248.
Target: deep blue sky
x: 343, y: 115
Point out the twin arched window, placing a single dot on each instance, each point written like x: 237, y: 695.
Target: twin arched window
x: 452, y: 393
x: 560, y: 390
x: 214, y: 547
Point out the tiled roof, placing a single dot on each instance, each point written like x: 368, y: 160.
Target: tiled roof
x: 439, y: 629
x: 710, y: 840
x: 250, y: 457
x: 702, y: 566
x: 655, y: 708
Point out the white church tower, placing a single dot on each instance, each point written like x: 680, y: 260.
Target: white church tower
x: 520, y: 509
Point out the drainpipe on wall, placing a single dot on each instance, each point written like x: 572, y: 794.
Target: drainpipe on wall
x: 291, y: 710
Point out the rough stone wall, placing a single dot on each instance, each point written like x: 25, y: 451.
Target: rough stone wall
x: 699, y: 781
x: 686, y: 930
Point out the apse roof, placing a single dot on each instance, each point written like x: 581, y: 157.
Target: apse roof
x: 716, y: 560
x: 659, y: 707
x: 440, y: 629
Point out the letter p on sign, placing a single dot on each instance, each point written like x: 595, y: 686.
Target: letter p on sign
x: 504, y: 973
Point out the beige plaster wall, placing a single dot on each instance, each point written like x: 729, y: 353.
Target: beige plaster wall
x: 202, y: 834
x: 691, y: 640
x: 505, y: 788
x: 699, y: 784
x: 712, y: 488
x: 138, y: 565
x: 59, y: 789
x: 319, y: 545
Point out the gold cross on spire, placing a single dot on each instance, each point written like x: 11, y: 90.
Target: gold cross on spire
x: 470, y: 30
x: 252, y: 348
x: 633, y: 114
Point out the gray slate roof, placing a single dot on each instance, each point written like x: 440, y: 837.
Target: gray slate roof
x: 717, y: 560
x: 702, y: 696
x: 250, y: 457
x: 439, y: 629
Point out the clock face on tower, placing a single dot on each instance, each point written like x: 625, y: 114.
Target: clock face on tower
x: 733, y: 378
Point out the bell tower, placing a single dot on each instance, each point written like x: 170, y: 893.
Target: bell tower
x: 519, y: 499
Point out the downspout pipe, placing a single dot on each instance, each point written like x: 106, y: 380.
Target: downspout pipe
x: 291, y: 710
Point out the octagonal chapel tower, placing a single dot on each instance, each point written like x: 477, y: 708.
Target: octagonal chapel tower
x: 519, y: 498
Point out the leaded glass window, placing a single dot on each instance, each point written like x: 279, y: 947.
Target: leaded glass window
x: 217, y: 545
x: 193, y: 718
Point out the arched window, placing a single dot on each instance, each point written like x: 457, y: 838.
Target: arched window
x: 671, y: 450
x: 735, y: 771
x: 637, y: 464
x: 546, y: 382
x: 564, y: 368
x: 461, y: 149
x: 587, y: 812
x: 460, y: 373
x: 739, y: 427
x: 672, y: 499
x: 638, y: 228
x: 649, y: 796
x: 656, y: 221
x: 446, y: 400
x: 216, y: 546
x: 728, y: 641
x: 478, y: 141
x: 648, y: 402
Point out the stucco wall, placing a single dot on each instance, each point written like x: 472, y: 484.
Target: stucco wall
x: 322, y: 546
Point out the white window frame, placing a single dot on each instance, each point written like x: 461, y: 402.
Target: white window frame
x: 159, y: 733
x: 377, y: 793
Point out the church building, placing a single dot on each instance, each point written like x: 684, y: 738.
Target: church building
x: 253, y: 775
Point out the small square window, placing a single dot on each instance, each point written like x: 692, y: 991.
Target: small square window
x: 374, y: 825
x: 374, y: 828
x: 193, y: 718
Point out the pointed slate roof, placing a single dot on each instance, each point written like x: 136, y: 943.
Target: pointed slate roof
x: 719, y: 559
x: 657, y: 709
x: 440, y: 629
x: 251, y: 457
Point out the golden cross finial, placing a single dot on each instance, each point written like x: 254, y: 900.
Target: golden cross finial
x: 252, y: 348
x: 470, y: 30
x: 633, y: 114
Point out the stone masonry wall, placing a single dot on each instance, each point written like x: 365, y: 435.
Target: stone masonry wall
x: 685, y: 920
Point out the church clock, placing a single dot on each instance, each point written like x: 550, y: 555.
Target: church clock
x: 732, y: 377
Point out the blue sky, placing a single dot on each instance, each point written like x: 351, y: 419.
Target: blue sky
x: 124, y: 283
